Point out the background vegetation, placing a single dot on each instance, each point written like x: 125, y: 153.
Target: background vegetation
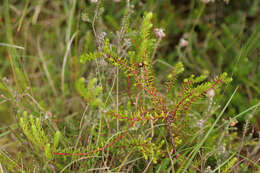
x: 91, y: 86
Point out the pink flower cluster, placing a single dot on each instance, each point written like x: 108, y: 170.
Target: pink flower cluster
x: 159, y: 32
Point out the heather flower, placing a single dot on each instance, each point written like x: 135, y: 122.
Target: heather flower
x: 200, y: 123
x: 208, y: 170
x: 226, y: 1
x: 207, y: 1
x: 101, y: 39
x: 93, y: 1
x: 159, y: 32
x: 183, y: 42
x: 211, y: 93
x: 127, y: 42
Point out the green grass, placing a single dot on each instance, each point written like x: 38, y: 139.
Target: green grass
x: 117, y: 118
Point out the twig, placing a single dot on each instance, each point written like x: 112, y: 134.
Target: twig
x: 65, y: 61
x: 45, y: 68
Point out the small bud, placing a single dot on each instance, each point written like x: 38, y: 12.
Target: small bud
x: 207, y: 1
x: 200, y: 123
x: 56, y: 140
x: 208, y: 170
x: 226, y: 1
x: 159, y: 32
x: 233, y: 122
x: 93, y: 1
x: 85, y: 17
x: 141, y: 64
x: 183, y: 42
x: 127, y: 42
x: 47, y: 151
x: 211, y: 93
